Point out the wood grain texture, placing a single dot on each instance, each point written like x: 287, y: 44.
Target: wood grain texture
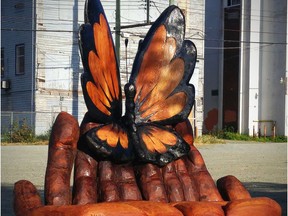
x: 232, y: 189
x: 61, y: 155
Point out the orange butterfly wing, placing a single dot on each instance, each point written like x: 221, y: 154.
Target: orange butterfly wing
x: 101, y: 78
x: 159, y: 144
x: 162, y: 70
x: 161, y: 73
x: 110, y: 141
x: 101, y: 89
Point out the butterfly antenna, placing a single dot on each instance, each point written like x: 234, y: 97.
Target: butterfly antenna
x: 126, y: 44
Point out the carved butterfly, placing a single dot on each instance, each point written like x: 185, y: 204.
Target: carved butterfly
x: 158, y: 93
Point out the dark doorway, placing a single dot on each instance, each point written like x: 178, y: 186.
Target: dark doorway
x: 231, y: 67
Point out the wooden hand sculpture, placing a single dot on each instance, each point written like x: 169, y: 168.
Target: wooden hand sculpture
x: 144, y: 162
x: 182, y: 187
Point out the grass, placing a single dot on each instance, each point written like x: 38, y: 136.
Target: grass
x: 31, y: 139
x: 229, y: 134
x: 208, y: 139
x: 24, y: 143
x: 24, y: 135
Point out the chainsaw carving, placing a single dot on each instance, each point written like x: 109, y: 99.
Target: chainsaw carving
x: 142, y: 163
x: 158, y: 93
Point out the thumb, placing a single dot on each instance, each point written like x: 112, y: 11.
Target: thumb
x: 26, y: 197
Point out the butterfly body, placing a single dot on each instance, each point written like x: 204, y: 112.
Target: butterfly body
x: 158, y: 94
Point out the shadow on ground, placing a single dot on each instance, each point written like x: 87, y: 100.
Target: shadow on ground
x: 278, y: 192
x: 7, y: 199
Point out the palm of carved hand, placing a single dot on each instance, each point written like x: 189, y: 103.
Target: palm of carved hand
x: 184, y: 183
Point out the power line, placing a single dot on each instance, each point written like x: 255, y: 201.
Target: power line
x: 140, y: 34
x: 135, y: 22
x: 190, y: 10
x: 38, y: 30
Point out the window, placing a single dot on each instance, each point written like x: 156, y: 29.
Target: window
x: 233, y: 2
x: 2, y: 62
x: 20, y: 59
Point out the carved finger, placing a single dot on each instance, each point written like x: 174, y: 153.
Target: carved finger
x: 204, y: 183
x: 255, y: 206
x: 184, y: 129
x: 202, y: 178
x: 61, y: 154
x: 26, y: 197
x: 155, y: 208
x: 196, y: 166
x: 189, y: 186
x: 117, y: 182
x: 126, y: 182
x: 232, y: 189
x: 108, y: 190
x: 132, y: 208
x: 196, y: 158
x: 151, y: 183
x: 85, y: 179
x: 200, y: 208
x: 172, y: 183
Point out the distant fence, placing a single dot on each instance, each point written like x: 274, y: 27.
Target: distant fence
x: 39, y: 122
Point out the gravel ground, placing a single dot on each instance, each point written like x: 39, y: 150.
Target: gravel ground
x: 262, y: 167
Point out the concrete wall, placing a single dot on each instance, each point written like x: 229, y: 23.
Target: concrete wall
x: 213, y: 65
x: 265, y: 54
x: 273, y: 51
x: 263, y: 61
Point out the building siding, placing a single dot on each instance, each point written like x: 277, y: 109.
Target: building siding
x: 17, y: 21
x: 54, y: 85
x: 58, y: 67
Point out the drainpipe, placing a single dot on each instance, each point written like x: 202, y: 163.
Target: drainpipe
x: 285, y: 79
x: 254, y: 66
x: 117, y: 31
x: 221, y: 70
x: 148, y: 11
x: 33, y: 56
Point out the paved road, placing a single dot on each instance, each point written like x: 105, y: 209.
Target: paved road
x: 262, y: 167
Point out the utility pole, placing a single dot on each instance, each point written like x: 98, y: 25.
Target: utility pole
x: 117, y: 30
x: 148, y: 11
x: 126, y: 44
